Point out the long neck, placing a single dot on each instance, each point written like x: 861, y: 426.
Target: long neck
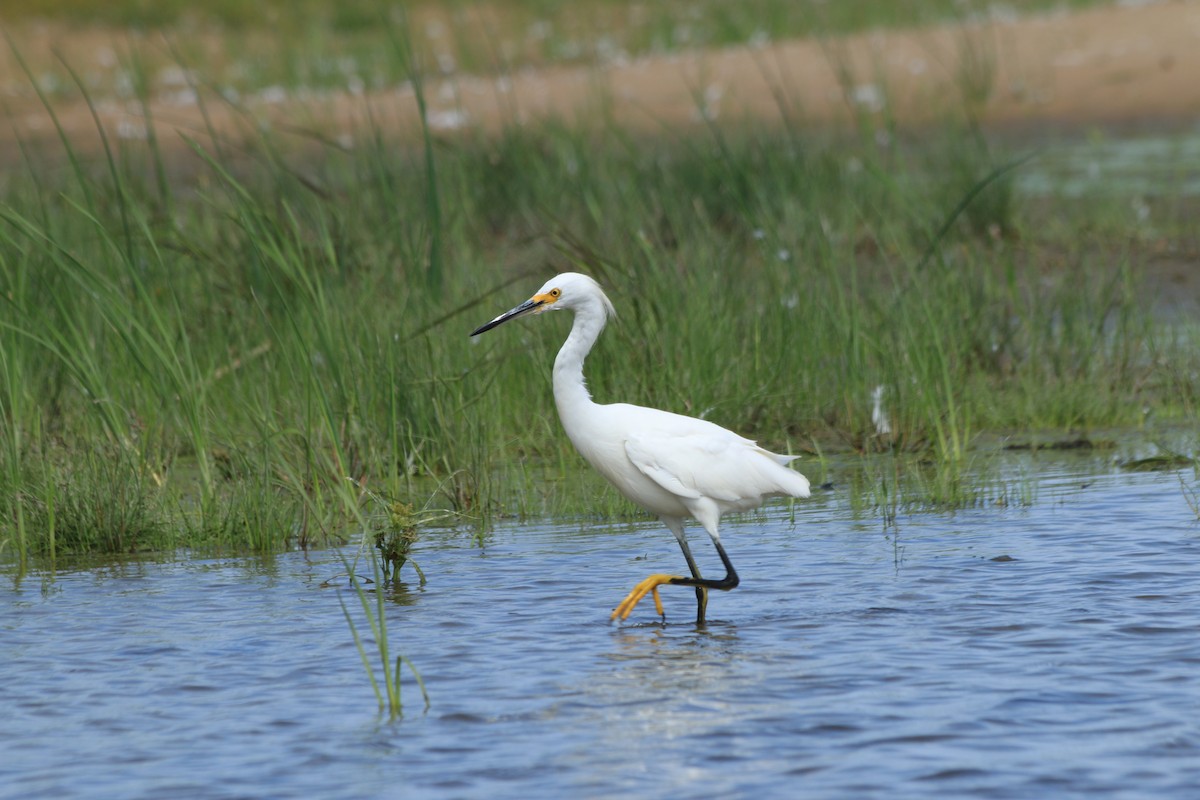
x: 570, y: 394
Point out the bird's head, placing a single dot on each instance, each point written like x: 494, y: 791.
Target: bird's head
x: 568, y: 290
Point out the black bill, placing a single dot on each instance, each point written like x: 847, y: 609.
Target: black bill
x: 532, y: 304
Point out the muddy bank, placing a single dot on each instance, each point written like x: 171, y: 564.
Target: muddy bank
x: 1116, y: 67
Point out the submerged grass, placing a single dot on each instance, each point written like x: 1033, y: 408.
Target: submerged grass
x: 244, y: 360
x: 390, y: 697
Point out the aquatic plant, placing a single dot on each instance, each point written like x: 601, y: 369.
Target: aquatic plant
x: 394, y: 528
x: 389, y: 697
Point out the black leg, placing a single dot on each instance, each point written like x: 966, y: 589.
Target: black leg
x: 702, y: 585
x: 701, y: 592
x: 730, y: 580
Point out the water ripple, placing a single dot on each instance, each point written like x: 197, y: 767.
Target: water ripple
x: 992, y: 654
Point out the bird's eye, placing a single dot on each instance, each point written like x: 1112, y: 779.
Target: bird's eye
x: 555, y: 293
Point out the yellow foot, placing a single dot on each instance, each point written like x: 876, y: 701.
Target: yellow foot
x: 648, y: 586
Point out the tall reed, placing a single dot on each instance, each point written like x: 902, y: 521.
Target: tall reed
x: 297, y: 317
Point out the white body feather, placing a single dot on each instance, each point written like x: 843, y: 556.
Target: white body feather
x: 672, y: 465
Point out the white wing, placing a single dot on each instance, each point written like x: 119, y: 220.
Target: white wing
x: 695, y: 459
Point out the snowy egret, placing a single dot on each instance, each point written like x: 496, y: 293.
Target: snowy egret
x: 674, y: 466
x: 879, y: 417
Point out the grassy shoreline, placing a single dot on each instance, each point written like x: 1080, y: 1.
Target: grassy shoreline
x: 264, y: 356
x: 316, y: 44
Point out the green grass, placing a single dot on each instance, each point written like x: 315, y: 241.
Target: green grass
x: 317, y: 44
x: 390, y: 697
x: 252, y: 358
x: 663, y: 24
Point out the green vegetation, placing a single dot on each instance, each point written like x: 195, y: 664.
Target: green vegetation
x: 317, y: 44
x: 647, y: 26
x: 245, y: 354
x: 390, y: 697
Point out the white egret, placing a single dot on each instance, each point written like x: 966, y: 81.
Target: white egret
x: 674, y: 466
x: 879, y: 417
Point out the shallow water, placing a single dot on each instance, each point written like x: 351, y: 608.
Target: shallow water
x: 1146, y: 165
x: 1048, y: 651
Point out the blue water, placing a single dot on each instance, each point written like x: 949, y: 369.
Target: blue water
x: 1049, y: 651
